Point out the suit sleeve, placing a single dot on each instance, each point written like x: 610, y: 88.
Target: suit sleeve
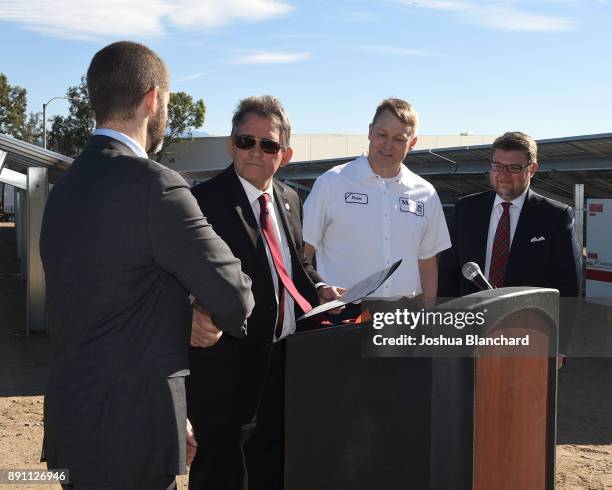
x: 448, y: 268
x: 185, y: 245
x: 565, y: 276
x: 566, y: 257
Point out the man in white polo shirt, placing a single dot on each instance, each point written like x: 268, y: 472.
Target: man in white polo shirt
x: 366, y: 214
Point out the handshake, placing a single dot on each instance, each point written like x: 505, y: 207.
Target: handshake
x: 204, y: 332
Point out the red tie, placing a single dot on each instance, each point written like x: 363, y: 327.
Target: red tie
x: 285, y: 281
x: 501, y: 248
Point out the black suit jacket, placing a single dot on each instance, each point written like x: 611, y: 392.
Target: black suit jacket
x: 550, y: 263
x: 122, y: 242
x: 226, y: 379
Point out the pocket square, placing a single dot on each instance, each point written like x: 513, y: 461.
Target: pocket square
x: 536, y: 239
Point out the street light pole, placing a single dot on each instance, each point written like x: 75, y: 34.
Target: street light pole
x: 45, y: 116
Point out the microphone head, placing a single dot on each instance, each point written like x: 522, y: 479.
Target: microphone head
x: 470, y: 270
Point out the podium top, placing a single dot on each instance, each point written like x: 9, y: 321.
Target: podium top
x: 509, y: 299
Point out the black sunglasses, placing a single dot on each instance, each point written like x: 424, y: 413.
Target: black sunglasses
x: 246, y: 142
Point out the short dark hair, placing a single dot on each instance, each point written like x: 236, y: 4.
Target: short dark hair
x: 264, y: 106
x: 119, y: 76
x: 401, y: 109
x: 515, y: 140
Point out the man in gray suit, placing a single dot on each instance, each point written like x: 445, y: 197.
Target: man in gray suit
x: 123, y: 243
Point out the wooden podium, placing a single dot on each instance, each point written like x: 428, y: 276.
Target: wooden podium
x: 483, y: 421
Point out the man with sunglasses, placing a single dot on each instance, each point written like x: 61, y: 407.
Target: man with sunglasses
x: 517, y: 237
x: 236, y: 389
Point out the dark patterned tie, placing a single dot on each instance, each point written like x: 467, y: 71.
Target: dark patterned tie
x: 285, y: 282
x: 501, y: 248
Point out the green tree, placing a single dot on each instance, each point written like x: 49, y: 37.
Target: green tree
x: 13, y: 107
x: 32, y: 130
x: 69, y: 134
x: 14, y: 118
x: 184, y: 115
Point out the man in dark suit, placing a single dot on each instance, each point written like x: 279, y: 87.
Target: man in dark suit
x: 235, y: 391
x: 516, y: 236
x: 123, y: 243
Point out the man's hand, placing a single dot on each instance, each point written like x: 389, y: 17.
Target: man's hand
x: 330, y: 293
x: 192, y: 444
x: 560, y: 360
x: 204, y: 332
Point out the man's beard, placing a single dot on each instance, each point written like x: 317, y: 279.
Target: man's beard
x: 156, y: 130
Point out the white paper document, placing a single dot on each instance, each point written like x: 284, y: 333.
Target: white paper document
x: 359, y: 291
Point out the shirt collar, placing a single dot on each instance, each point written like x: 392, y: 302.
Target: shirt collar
x: 253, y: 192
x: 516, y: 203
x: 124, y: 138
x: 364, y: 172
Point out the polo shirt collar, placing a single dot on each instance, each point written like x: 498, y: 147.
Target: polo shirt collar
x: 363, y: 171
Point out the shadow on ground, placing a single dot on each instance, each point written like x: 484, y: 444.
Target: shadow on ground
x: 584, y: 403
x: 23, y: 360
x: 584, y: 400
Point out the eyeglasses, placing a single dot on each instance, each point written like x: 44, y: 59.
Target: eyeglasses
x: 246, y: 142
x: 513, y: 169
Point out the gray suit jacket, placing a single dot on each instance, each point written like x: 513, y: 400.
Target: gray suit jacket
x: 122, y: 243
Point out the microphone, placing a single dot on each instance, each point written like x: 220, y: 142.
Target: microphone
x: 472, y: 272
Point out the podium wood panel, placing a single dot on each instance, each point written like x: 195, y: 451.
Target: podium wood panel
x: 512, y: 410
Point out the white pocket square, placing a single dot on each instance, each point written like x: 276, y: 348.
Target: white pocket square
x: 536, y: 239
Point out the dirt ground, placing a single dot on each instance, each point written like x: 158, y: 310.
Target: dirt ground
x: 584, y: 449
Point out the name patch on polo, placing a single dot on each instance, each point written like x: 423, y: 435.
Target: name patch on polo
x: 355, y: 198
x: 410, y: 206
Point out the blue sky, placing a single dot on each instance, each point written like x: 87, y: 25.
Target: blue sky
x: 540, y: 66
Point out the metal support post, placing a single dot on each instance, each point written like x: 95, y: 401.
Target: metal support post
x: 36, y: 199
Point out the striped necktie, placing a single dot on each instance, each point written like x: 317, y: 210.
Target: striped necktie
x: 501, y: 248
x: 285, y: 282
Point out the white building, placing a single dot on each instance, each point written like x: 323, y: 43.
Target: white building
x: 200, y: 158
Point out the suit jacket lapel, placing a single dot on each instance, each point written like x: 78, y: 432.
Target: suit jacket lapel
x: 283, y: 206
x: 247, y: 218
x: 483, y: 219
x: 244, y: 212
x: 522, y: 227
x: 289, y: 215
x: 242, y: 206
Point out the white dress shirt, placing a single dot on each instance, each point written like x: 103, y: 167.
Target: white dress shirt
x: 496, y: 213
x: 253, y: 194
x: 124, y: 138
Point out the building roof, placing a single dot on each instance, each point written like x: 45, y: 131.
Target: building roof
x: 454, y: 171
x: 458, y: 171
x: 21, y: 155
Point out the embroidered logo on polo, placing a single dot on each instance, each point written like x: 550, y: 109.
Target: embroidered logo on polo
x: 410, y: 206
x: 355, y: 198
